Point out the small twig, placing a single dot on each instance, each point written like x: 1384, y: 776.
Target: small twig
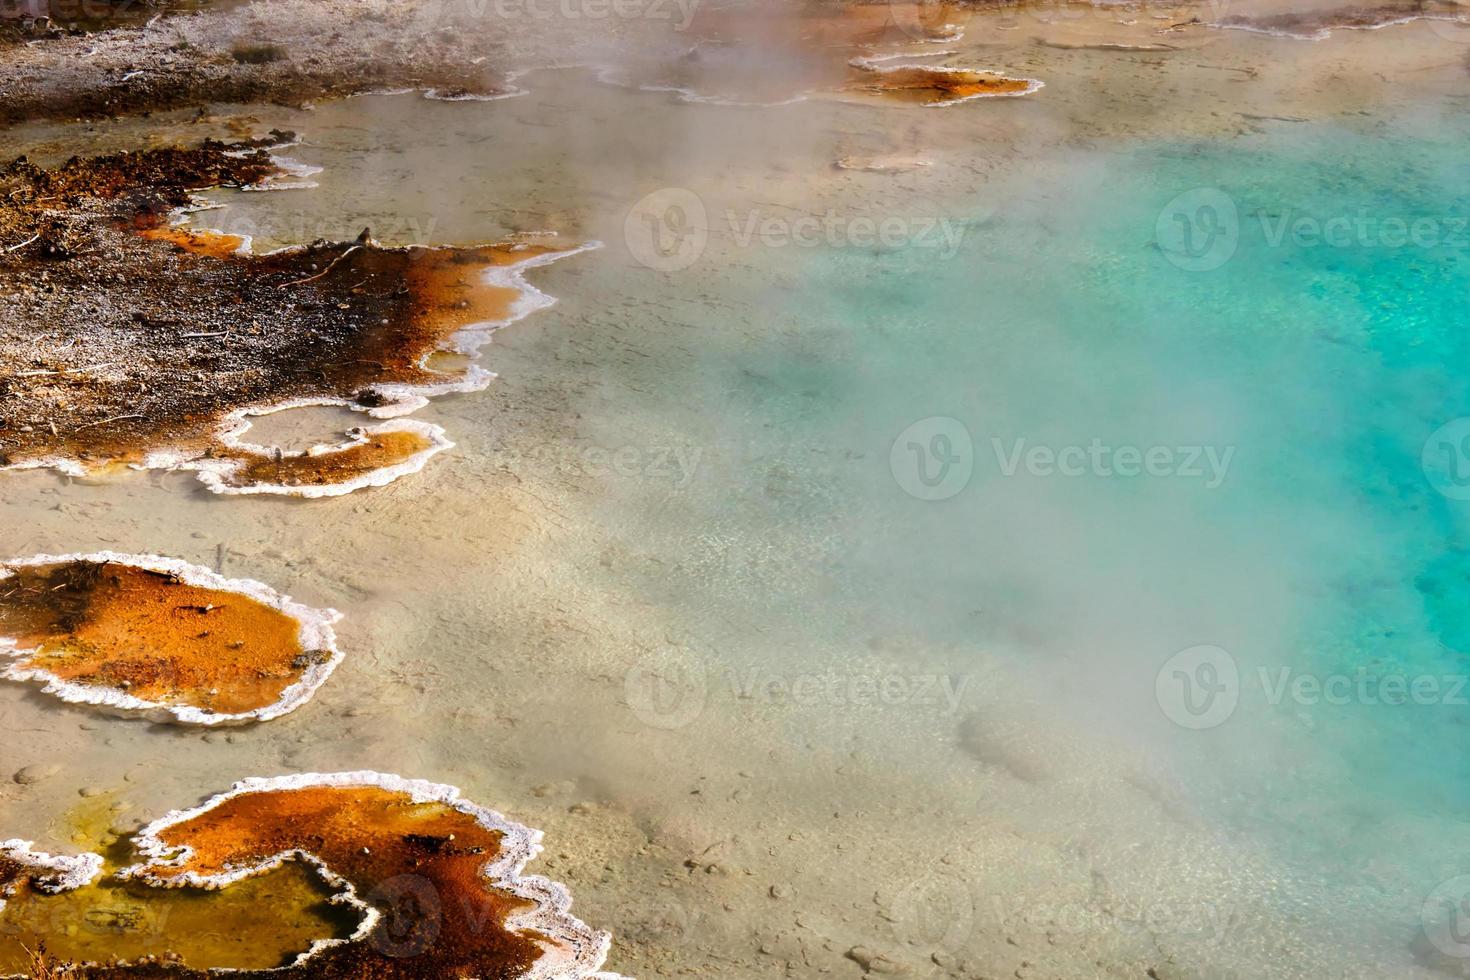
x: 328, y: 269
x: 48, y: 371
x: 192, y: 336
x: 17, y: 248
x: 115, y: 418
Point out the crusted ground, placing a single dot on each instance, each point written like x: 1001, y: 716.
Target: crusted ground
x: 288, y: 51
x: 122, y: 336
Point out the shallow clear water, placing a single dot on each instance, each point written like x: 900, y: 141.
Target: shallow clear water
x: 741, y: 586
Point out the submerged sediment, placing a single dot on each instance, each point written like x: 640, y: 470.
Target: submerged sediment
x: 435, y: 881
x: 127, y: 339
x: 161, y: 639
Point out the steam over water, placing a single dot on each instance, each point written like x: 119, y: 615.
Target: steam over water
x: 924, y: 562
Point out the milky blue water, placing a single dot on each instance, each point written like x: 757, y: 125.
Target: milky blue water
x: 1073, y: 312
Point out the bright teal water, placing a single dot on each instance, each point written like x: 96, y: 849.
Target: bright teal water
x: 1325, y: 550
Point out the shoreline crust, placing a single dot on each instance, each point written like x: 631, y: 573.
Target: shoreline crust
x: 73, y: 624
x: 438, y: 880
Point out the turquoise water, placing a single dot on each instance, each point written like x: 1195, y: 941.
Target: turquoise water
x: 1325, y: 550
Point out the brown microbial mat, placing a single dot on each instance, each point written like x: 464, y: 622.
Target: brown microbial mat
x: 158, y: 638
x: 421, y: 884
x: 932, y: 86
x: 160, y: 341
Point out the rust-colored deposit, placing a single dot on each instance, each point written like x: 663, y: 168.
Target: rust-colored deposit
x: 775, y: 52
x: 121, y: 628
x: 407, y: 859
x: 211, y: 244
x: 331, y: 467
x: 434, y: 882
x: 125, y: 337
x: 925, y: 85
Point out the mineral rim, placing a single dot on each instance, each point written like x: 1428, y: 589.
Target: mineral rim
x: 126, y: 339
x: 436, y: 880
x: 872, y: 53
x: 161, y: 639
